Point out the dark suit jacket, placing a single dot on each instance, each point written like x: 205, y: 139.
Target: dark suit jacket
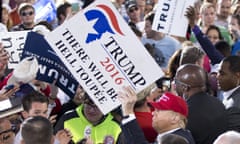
x: 207, y: 118
x: 233, y: 111
x: 235, y: 97
x: 134, y: 135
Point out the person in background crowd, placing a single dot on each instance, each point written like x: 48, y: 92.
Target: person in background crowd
x: 148, y: 7
x: 234, y: 28
x: 223, y: 13
x: 213, y: 33
x: 169, y: 117
x: 6, y: 20
x: 64, y: 11
x: 134, y: 14
x: 229, y: 137
x: 27, y: 14
x: 7, y: 131
x: 205, y: 120
x: 14, y: 13
x: 165, y: 45
x: 208, y: 15
x: 36, y: 104
x: 141, y: 5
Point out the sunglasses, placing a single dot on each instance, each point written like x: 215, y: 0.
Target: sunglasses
x: 27, y: 13
x: 133, y: 9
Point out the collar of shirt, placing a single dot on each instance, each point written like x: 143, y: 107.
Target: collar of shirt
x: 167, y: 132
x: 227, y: 94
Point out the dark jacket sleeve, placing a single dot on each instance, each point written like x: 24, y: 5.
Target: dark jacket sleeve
x: 133, y: 133
x: 214, y: 55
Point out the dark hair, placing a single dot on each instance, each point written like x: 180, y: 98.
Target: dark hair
x: 213, y: 27
x: 223, y: 47
x: 134, y: 28
x: 234, y: 63
x: 149, y: 17
x: 34, y: 96
x: 46, y: 24
x: 61, y: 10
x: 37, y: 130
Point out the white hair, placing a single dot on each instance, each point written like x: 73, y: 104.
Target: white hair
x: 229, y: 137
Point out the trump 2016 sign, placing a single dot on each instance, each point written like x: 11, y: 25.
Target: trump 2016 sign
x: 103, y: 54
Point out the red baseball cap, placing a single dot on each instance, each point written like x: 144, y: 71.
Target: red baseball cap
x: 169, y: 101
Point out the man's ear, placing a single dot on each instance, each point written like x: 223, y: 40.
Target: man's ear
x: 24, y: 114
x: 238, y: 74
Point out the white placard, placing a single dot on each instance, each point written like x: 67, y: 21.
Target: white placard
x: 103, y: 54
x: 13, y: 42
x: 169, y: 17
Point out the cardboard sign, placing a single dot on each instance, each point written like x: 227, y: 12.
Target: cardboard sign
x: 51, y: 68
x: 13, y: 42
x: 103, y: 54
x: 169, y: 17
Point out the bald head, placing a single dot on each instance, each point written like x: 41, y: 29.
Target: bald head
x: 191, y: 74
x: 190, y: 78
x: 229, y: 137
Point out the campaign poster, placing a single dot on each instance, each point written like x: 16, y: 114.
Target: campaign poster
x: 13, y: 42
x: 169, y: 17
x: 103, y: 54
x: 51, y: 68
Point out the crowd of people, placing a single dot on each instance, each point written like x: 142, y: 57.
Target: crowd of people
x: 197, y: 101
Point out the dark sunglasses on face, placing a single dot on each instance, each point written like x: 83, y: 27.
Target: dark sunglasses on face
x: 27, y: 13
x: 133, y: 9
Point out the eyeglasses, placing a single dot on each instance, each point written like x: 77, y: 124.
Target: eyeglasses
x: 133, y: 9
x: 27, y: 13
x: 178, y: 82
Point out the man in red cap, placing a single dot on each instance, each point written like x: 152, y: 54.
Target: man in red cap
x: 169, y: 117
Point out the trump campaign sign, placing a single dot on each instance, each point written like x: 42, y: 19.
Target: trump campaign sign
x: 103, y: 54
x: 50, y: 67
x: 169, y: 17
